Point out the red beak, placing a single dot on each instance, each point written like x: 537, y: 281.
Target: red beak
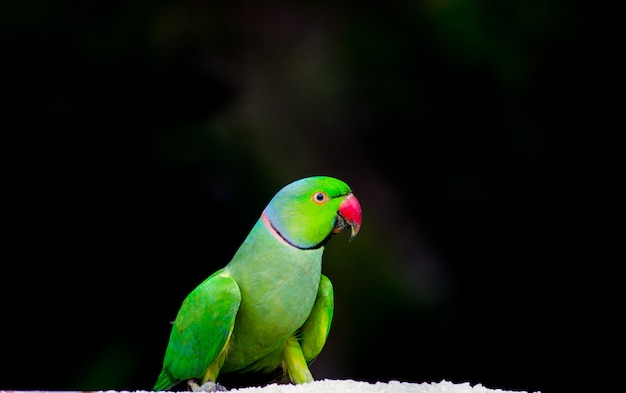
x: 350, y: 210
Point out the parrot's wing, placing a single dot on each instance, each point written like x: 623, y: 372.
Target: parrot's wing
x: 202, y: 327
x: 315, y: 330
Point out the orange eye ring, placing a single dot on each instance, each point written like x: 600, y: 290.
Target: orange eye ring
x: 319, y: 197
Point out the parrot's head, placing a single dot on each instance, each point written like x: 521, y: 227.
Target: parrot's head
x: 309, y: 211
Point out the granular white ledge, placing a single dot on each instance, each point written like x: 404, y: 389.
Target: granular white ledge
x: 340, y: 386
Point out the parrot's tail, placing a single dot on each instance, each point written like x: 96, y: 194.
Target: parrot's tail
x: 165, y: 381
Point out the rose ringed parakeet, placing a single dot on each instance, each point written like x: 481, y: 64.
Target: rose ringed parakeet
x: 270, y: 306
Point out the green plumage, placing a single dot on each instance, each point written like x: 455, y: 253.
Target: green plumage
x: 270, y: 306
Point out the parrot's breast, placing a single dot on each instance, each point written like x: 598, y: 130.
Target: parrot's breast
x: 278, y: 284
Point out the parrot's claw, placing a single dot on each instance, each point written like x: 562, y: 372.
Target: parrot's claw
x: 206, y: 387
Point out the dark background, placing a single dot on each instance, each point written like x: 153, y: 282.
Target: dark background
x: 141, y: 140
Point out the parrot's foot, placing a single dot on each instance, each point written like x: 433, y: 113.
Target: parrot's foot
x: 206, y: 387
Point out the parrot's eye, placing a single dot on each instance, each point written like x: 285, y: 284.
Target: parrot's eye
x: 319, y: 197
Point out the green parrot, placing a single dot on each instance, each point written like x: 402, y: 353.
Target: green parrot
x: 270, y: 306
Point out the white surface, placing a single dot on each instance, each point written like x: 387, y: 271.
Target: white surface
x: 340, y: 386
x: 350, y: 386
